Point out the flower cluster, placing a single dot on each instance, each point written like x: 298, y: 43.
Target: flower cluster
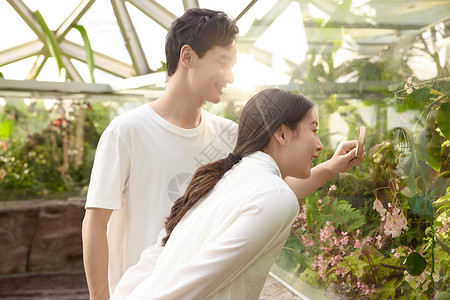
x: 300, y: 222
x: 337, y: 246
x: 395, y: 223
x: 364, y: 287
x: 347, y: 259
x: 423, y: 280
x: 445, y: 227
x: 395, y: 220
x: 409, y: 85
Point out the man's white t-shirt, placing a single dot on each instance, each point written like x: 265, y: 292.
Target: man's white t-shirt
x: 142, y: 165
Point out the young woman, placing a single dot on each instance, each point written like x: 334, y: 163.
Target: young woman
x: 225, y: 232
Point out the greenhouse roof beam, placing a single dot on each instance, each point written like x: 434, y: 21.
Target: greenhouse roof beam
x: 338, y: 24
x: 139, y: 82
x: 261, y: 25
x: 71, y: 70
x: 155, y: 11
x: 190, y: 4
x: 50, y: 86
x: 20, y: 52
x: 246, y: 9
x: 102, y: 61
x: 130, y: 38
x: 266, y: 58
x: 36, y: 67
x: 343, y: 89
x: 28, y: 16
x: 71, y: 90
x: 73, y: 18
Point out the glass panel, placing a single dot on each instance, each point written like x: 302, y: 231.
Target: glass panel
x: 257, y: 11
x: 100, y: 76
x: 103, y: 31
x: 50, y: 72
x: 273, y: 41
x: 43, y: 152
x: 151, y: 35
x: 21, y: 32
x: 175, y: 7
x: 232, y: 7
x: 54, y: 12
x: 376, y: 230
x: 18, y: 70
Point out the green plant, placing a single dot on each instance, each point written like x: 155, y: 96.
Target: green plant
x: 49, y: 153
x: 397, y: 247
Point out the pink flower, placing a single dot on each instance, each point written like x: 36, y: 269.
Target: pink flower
x: 445, y: 227
x: 326, y: 232
x: 332, y: 188
x: 396, y: 253
x: 367, y: 240
x: 307, y: 241
x: 378, y: 206
x: 379, y: 244
x: 345, y: 240
x: 395, y: 223
x: 335, y: 260
x: 363, y: 287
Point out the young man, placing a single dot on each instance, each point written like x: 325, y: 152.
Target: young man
x: 146, y: 157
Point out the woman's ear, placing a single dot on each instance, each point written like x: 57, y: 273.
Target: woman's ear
x: 186, y: 56
x: 281, y: 135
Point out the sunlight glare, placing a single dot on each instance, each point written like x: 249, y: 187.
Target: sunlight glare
x: 49, y: 103
x: 317, y: 13
x: 292, y: 45
x: 249, y: 73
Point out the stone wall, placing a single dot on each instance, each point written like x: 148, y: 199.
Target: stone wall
x: 41, y: 236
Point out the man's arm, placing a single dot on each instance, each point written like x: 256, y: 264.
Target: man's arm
x: 342, y: 161
x: 95, y: 252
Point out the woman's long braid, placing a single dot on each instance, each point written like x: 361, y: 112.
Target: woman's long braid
x: 204, y: 179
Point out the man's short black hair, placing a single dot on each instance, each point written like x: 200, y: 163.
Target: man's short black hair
x: 201, y: 29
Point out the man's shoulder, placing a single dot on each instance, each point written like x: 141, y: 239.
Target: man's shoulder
x: 220, y: 121
x: 130, y: 118
x: 132, y: 114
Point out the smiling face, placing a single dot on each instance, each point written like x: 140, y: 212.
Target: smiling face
x: 211, y: 74
x: 301, y: 147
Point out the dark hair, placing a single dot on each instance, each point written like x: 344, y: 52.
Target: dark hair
x: 201, y: 29
x: 263, y: 114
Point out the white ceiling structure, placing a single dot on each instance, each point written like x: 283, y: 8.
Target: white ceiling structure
x: 127, y: 38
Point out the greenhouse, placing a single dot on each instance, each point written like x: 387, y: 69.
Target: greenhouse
x: 376, y: 230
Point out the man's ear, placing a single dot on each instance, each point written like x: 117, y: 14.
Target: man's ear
x: 186, y: 56
x: 281, y: 135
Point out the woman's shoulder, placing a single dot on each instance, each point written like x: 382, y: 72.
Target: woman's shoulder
x: 273, y: 191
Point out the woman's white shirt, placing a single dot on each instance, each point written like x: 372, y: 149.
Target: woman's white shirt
x: 223, y: 247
